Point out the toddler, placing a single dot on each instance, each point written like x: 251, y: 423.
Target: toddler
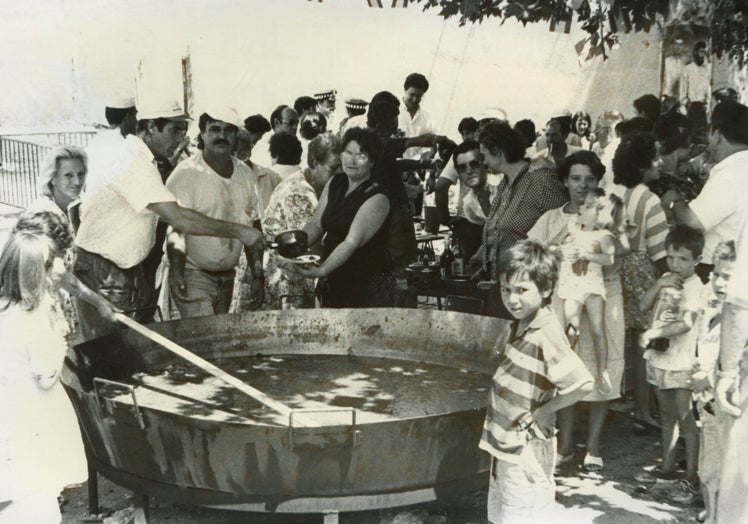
x: 589, y: 246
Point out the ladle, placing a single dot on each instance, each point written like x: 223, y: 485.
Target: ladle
x: 203, y: 364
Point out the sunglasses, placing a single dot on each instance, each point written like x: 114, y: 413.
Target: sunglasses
x: 473, y: 165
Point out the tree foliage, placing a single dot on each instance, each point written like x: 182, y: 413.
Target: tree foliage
x: 604, y: 20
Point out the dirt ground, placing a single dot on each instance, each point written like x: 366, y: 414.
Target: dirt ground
x: 611, y: 496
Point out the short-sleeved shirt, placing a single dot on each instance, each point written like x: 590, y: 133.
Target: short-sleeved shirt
x: 644, y: 212
x: 471, y: 208
x: 721, y: 203
x: 737, y: 287
x: 115, y: 220
x: 417, y: 125
x: 516, y: 208
x: 197, y: 186
x: 535, y: 366
x: 681, y: 354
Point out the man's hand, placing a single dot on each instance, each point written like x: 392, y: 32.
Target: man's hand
x: 726, y: 392
x: 257, y: 292
x: 105, y: 308
x: 178, y: 286
x: 250, y: 237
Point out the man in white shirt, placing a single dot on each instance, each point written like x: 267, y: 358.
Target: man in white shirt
x: 284, y: 119
x: 118, y: 224
x: 414, y: 121
x: 696, y: 78
x: 213, y: 182
x: 719, y: 208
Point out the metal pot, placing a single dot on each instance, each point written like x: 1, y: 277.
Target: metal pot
x: 179, y: 455
x: 291, y: 244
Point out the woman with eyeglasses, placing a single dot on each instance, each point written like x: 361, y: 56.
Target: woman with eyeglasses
x: 352, y: 219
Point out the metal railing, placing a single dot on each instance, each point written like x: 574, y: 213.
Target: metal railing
x: 20, y: 160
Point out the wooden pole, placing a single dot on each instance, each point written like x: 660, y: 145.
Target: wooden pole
x: 203, y: 364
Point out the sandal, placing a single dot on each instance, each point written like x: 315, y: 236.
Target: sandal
x: 592, y: 463
x: 562, y: 460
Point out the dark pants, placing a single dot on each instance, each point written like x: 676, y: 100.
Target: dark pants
x: 126, y: 289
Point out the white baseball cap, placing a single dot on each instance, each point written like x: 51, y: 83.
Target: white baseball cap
x: 226, y: 114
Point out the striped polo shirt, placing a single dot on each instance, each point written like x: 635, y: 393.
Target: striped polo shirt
x: 536, y: 365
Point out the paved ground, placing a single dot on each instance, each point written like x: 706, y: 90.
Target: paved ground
x: 611, y: 496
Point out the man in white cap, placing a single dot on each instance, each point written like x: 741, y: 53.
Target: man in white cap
x: 120, y: 113
x: 212, y: 181
x: 118, y: 223
x: 162, y: 125
x: 326, y: 106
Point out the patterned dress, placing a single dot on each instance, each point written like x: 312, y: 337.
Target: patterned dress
x: 291, y: 206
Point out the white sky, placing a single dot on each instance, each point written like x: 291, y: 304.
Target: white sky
x: 61, y: 60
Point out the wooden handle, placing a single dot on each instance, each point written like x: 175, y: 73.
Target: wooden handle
x: 203, y: 364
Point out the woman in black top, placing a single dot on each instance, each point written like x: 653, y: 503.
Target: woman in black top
x: 353, y: 216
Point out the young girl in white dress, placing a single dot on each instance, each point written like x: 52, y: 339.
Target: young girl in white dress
x: 589, y: 246
x: 40, y: 444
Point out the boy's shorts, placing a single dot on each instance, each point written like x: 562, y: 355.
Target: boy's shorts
x: 522, y: 493
x: 668, y: 379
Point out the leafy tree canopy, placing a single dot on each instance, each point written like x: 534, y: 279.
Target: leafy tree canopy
x: 604, y: 20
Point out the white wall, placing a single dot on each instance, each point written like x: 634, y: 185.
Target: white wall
x: 255, y: 54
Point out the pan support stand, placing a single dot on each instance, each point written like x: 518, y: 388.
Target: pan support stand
x: 330, y: 516
x: 141, y: 505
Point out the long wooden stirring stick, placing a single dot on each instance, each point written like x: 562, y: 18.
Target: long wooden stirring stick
x: 203, y: 364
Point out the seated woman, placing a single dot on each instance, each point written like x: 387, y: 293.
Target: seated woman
x: 291, y: 206
x: 353, y: 217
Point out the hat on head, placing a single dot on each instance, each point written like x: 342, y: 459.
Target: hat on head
x: 121, y: 101
x: 164, y: 108
x: 493, y: 113
x: 226, y: 114
x: 326, y: 95
x: 356, y: 104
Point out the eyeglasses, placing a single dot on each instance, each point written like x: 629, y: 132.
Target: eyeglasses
x: 358, y: 158
x: 473, y: 165
x: 290, y: 122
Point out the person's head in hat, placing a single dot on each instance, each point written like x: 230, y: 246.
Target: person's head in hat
x: 218, y: 128
x: 355, y: 106
x: 162, y: 125
x: 326, y: 101
x: 120, y: 112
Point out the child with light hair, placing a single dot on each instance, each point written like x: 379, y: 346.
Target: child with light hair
x: 589, y: 246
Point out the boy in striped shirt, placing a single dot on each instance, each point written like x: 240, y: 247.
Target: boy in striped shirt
x: 538, y: 374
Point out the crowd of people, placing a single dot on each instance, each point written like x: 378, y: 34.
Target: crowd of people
x: 613, y: 245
